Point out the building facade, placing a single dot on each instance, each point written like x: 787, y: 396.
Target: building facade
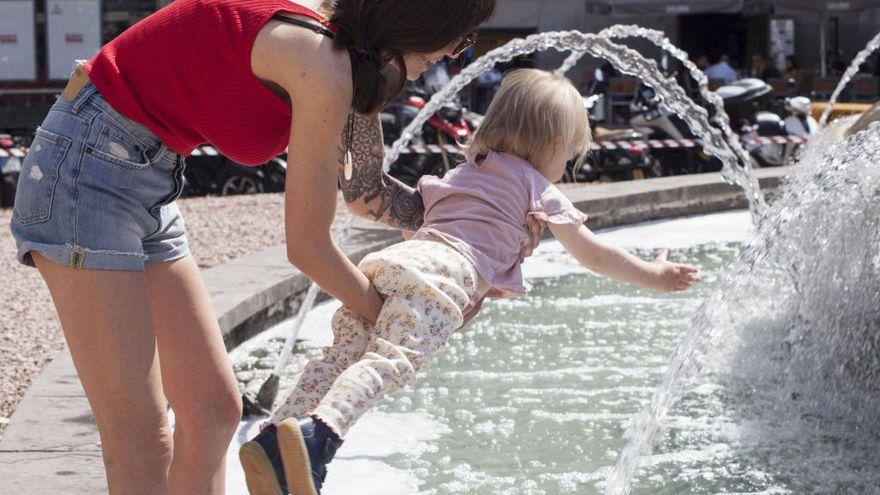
x: 39, y: 39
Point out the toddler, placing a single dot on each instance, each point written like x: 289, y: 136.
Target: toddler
x: 468, y: 248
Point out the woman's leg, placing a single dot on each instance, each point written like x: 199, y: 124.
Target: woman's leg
x: 106, y: 320
x: 351, y: 333
x: 196, y: 374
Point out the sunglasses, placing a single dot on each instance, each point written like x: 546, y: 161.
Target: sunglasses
x: 466, y: 42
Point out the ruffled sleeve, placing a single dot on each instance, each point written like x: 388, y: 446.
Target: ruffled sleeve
x: 554, y: 207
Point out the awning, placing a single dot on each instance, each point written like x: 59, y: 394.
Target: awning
x: 828, y: 6
x: 622, y: 8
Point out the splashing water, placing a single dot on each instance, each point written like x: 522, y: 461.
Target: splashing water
x: 627, y: 61
x: 851, y: 72
x: 803, y: 301
x: 741, y: 175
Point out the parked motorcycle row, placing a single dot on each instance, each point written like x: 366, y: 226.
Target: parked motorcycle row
x: 754, y: 112
x: 753, y: 109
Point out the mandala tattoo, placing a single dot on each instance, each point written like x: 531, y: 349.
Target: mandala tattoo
x: 388, y: 200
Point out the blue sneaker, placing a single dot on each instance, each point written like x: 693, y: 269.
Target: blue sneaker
x: 261, y: 460
x: 307, y: 446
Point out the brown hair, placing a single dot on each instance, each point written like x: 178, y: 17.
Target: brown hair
x: 377, y: 31
x: 532, y: 111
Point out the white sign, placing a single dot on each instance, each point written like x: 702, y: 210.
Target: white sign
x: 18, y: 53
x: 781, y: 40
x: 73, y: 30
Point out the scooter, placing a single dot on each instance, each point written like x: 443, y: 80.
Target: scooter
x: 749, y: 103
x: 620, y: 163
x: 649, y: 117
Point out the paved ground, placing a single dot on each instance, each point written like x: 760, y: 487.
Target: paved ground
x: 220, y: 229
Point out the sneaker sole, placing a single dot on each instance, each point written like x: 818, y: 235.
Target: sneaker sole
x: 258, y: 471
x: 295, y: 456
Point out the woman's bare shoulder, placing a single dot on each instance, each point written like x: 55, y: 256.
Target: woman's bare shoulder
x: 293, y: 57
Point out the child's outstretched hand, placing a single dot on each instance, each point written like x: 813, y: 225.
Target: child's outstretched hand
x: 673, y: 277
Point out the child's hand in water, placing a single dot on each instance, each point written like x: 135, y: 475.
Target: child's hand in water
x: 674, y: 276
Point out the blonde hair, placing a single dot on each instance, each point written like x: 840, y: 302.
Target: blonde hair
x: 531, y: 112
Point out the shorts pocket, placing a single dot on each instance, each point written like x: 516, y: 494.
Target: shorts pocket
x: 39, y: 174
x: 115, y: 148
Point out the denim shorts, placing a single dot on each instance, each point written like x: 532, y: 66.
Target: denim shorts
x: 97, y: 191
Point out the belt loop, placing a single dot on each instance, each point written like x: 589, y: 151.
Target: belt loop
x: 83, y: 97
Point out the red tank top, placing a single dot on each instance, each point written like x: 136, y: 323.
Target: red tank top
x: 184, y: 72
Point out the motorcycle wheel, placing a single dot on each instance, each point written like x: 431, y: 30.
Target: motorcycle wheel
x: 240, y: 184
x: 756, y: 162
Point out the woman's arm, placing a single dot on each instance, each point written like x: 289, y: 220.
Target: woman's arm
x: 371, y: 193
x: 617, y: 263
x: 321, y: 96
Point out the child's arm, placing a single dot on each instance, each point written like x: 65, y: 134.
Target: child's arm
x: 617, y: 263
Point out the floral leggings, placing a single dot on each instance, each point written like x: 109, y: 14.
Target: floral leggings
x: 427, y: 286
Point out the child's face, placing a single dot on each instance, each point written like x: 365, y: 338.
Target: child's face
x: 554, y: 167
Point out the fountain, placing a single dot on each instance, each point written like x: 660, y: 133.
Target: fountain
x: 726, y: 147
x: 816, y: 266
x: 821, y: 347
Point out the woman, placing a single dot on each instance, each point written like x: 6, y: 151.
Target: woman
x: 95, y: 211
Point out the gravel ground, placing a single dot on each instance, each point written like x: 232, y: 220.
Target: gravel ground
x: 219, y: 229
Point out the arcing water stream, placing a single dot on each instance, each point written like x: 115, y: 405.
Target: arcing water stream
x: 625, y: 60
x: 743, y: 173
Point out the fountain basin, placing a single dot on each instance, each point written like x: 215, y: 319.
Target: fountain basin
x: 51, y: 443
x: 537, y: 392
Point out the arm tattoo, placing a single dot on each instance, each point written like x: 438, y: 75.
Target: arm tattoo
x: 387, y: 200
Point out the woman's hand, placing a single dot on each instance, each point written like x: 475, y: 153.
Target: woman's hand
x: 535, y: 229
x: 671, y: 277
x: 375, y: 302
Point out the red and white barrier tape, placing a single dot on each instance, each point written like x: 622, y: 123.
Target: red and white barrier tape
x: 4, y: 153
x: 625, y: 145
x: 451, y: 148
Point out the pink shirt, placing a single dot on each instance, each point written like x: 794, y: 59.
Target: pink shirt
x: 481, y: 209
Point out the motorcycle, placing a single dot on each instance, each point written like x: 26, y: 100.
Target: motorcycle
x: 649, y: 117
x: 10, y: 168
x: 451, y: 124
x: 621, y: 162
x: 750, y: 102
x: 217, y: 175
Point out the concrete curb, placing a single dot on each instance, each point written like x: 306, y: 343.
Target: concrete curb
x: 51, y: 445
